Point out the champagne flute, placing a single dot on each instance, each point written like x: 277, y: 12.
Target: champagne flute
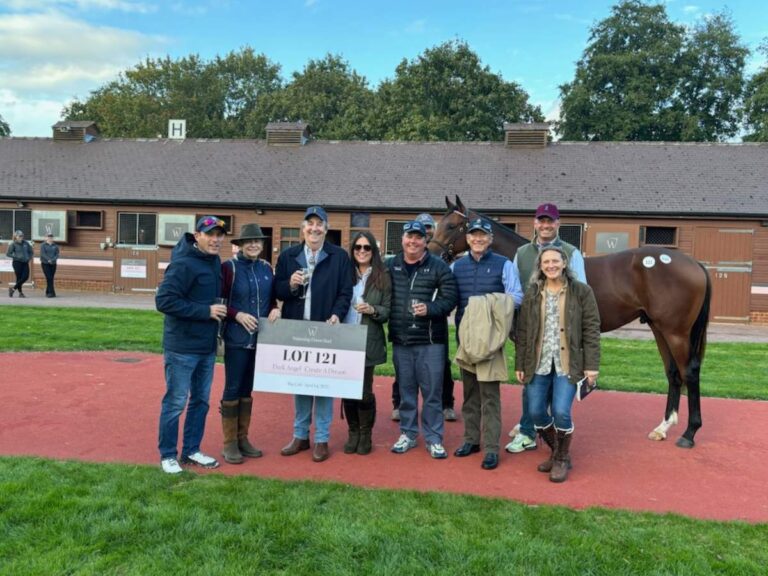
x: 359, y: 301
x: 414, y: 302
x: 306, y: 274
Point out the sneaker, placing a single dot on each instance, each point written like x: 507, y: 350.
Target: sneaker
x: 170, y: 466
x: 403, y: 444
x: 520, y: 443
x: 396, y: 415
x: 449, y: 414
x: 437, y: 451
x: 200, y: 459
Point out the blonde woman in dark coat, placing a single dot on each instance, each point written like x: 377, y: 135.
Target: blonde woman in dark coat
x: 371, y: 299
x: 559, y: 344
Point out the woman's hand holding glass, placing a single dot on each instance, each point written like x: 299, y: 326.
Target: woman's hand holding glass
x: 248, y: 321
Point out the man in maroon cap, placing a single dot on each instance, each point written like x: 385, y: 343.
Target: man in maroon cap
x: 546, y: 225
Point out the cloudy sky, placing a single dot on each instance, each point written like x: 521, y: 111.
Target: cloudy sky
x: 52, y: 51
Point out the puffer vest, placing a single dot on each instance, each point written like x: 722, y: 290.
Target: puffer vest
x: 476, y: 278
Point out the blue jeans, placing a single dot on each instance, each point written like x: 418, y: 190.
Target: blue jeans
x: 188, y: 377
x: 420, y: 368
x: 323, y: 416
x: 563, y: 393
x: 526, y: 421
x: 239, y: 365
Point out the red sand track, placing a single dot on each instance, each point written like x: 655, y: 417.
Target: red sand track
x: 103, y: 407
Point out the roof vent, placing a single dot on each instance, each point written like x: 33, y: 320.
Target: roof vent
x: 526, y: 135
x: 75, y: 130
x: 288, y: 133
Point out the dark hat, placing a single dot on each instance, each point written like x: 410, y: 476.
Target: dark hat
x: 480, y: 224
x: 208, y: 223
x: 249, y: 232
x: 49, y: 235
x: 414, y: 227
x: 316, y: 211
x: 548, y: 211
x: 426, y: 219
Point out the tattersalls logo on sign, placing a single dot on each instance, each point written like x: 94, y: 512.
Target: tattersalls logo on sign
x: 312, y: 358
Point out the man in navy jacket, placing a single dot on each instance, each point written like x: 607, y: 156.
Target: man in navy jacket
x: 322, y: 297
x: 187, y: 297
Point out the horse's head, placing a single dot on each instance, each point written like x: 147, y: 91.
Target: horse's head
x: 450, y: 237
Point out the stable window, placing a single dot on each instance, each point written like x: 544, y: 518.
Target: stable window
x: 289, y: 237
x: 360, y: 220
x: 137, y: 229
x: 12, y: 220
x: 571, y: 233
x: 394, y: 243
x: 658, y: 236
x: 87, y: 219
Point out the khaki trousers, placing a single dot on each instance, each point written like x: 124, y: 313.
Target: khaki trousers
x: 482, y: 405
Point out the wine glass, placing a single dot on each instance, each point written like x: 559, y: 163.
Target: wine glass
x: 414, y: 302
x: 306, y: 274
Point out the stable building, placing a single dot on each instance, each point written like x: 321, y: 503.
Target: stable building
x: 117, y: 206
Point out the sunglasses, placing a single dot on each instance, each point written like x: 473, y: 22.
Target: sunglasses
x: 365, y: 247
x: 210, y: 221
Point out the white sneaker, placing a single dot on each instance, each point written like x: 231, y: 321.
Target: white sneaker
x: 521, y: 443
x: 170, y: 466
x: 200, y: 459
x: 403, y: 444
x: 437, y: 451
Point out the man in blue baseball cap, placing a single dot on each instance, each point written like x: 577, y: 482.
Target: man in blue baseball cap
x: 491, y: 282
x: 423, y: 295
x: 314, y: 281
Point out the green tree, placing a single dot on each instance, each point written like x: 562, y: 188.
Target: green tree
x: 5, y: 130
x: 643, y: 77
x: 446, y: 94
x: 215, y: 97
x: 756, y: 103
x: 712, y: 80
x: 329, y: 96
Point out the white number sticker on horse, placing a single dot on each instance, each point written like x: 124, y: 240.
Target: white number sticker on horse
x: 665, y: 258
x: 649, y: 261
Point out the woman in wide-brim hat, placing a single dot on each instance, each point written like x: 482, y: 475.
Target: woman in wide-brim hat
x: 248, y: 286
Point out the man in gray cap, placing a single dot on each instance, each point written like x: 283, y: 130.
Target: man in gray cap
x: 447, y: 399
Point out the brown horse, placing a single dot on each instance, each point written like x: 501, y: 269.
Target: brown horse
x: 668, y: 290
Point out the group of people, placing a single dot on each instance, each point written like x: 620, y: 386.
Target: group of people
x: 21, y: 253
x: 414, y: 293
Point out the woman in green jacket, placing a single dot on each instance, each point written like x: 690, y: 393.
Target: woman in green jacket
x: 371, y: 299
x: 559, y: 345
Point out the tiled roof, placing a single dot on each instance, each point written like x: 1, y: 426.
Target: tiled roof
x: 616, y: 178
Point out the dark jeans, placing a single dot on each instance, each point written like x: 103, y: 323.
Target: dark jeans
x: 238, y: 373
x: 50, y: 271
x: 21, y: 269
x: 447, y: 397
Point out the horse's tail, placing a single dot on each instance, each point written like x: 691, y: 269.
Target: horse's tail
x: 699, y: 329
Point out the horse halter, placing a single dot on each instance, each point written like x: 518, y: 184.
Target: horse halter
x: 448, y: 252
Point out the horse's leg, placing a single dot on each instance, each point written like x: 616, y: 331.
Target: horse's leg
x: 674, y: 386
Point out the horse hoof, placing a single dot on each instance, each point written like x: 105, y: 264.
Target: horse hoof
x: 683, y: 442
x: 657, y: 436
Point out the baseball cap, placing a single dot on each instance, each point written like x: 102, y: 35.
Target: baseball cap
x: 548, y: 211
x: 479, y: 224
x: 208, y: 223
x: 414, y: 227
x: 425, y: 219
x: 316, y: 211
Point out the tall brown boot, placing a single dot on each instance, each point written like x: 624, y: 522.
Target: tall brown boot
x: 367, y: 420
x: 548, y: 435
x: 562, y: 460
x: 353, y: 421
x: 244, y: 423
x: 229, y: 417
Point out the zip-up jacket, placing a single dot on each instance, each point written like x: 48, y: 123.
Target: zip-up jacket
x: 432, y: 283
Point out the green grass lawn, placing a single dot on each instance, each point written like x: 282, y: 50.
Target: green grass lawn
x: 101, y: 519
x: 71, y: 518
x: 735, y: 370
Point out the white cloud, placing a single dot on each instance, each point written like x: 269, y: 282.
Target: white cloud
x: 690, y: 9
x: 310, y: 3
x: 48, y: 58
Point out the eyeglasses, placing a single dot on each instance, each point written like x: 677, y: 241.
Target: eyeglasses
x: 366, y: 247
